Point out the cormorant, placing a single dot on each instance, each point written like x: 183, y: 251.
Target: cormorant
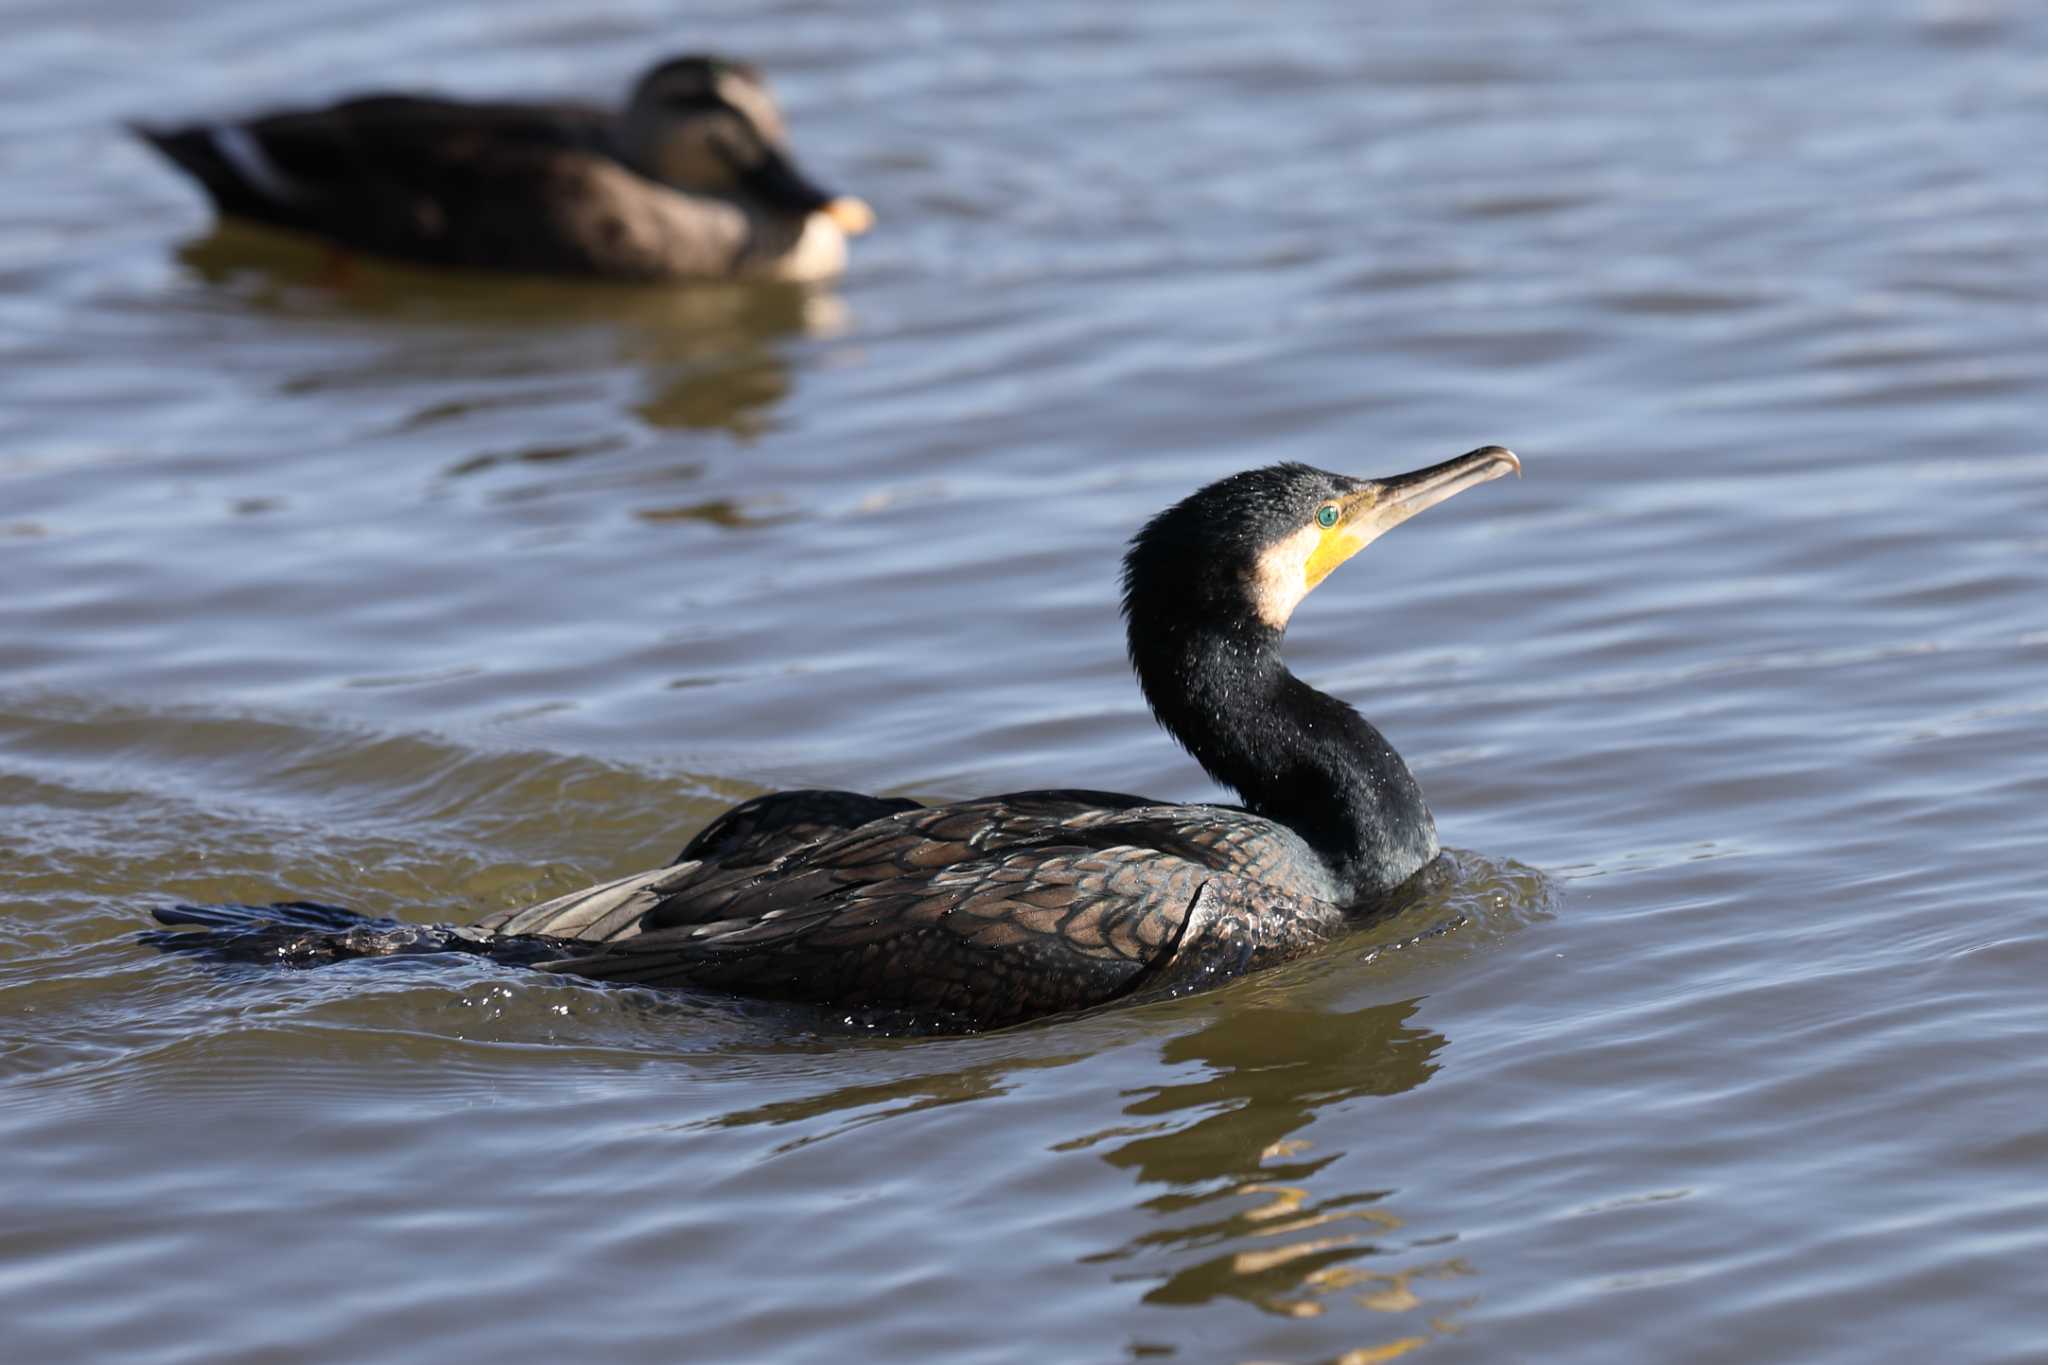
x: 985, y: 912
x: 694, y: 180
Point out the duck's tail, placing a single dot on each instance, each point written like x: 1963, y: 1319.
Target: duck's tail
x: 308, y: 934
x: 230, y: 164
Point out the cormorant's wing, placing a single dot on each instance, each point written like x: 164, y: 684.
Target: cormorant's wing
x: 984, y: 911
x: 780, y: 823
x: 762, y: 875
x: 1225, y: 839
x: 988, y: 941
x: 783, y: 852
x: 786, y: 850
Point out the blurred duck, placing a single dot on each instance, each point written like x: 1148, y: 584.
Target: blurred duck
x: 693, y: 181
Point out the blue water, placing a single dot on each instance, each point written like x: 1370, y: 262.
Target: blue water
x: 435, y: 597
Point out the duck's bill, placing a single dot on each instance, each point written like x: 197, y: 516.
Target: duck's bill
x: 776, y: 182
x: 852, y: 215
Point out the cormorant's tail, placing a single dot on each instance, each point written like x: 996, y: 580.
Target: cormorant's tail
x: 308, y: 934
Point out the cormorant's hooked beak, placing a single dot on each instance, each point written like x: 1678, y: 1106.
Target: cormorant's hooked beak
x: 1377, y: 506
x: 776, y: 181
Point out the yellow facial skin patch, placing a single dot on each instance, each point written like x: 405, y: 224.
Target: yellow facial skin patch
x: 1343, y: 540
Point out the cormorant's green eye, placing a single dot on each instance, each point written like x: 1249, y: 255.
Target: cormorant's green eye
x: 1326, y: 516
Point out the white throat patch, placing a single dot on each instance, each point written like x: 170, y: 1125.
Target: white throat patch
x: 1280, y: 578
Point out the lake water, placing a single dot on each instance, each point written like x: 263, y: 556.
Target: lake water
x: 433, y: 597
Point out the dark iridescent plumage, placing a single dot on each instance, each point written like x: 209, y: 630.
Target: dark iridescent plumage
x: 989, y: 911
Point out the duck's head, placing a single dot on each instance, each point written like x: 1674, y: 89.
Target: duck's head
x: 1244, y: 551
x: 707, y: 125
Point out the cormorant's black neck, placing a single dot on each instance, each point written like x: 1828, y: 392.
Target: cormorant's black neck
x: 1209, y: 586
x: 1213, y: 674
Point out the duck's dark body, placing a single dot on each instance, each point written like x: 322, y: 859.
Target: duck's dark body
x: 547, y: 189
x: 431, y: 181
x: 990, y: 911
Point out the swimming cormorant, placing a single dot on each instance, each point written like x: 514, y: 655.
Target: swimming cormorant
x: 985, y: 912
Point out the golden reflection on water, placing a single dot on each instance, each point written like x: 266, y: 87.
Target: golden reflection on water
x: 712, y: 353
x: 1254, y: 1213
x: 1236, y: 1205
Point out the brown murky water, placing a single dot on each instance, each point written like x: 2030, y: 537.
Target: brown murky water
x: 431, y: 597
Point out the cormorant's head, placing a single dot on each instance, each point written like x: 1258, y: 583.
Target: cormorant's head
x: 709, y: 126
x: 1254, y: 544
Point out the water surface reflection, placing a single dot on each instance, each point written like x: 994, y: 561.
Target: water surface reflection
x: 712, y: 354
x: 1251, y: 1211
